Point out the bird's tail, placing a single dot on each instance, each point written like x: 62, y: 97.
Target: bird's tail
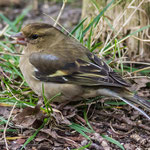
x: 134, y: 100
x: 128, y: 97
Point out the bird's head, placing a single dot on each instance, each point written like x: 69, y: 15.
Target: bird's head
x: 38, y: 35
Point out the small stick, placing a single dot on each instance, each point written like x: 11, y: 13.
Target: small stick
x: 4, y: 133
x: 61, y: 10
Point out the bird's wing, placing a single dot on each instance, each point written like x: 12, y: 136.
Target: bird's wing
x: 95, y: 72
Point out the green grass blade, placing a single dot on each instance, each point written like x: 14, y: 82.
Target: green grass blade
x: 89, y: 39
x: 5, y: 121
x: 86, y: 119
x: 119, y: 54
x: 78, y: 26
x: 96, y: 4
x: 115, y: 103
x: 34, y: 135
x: 8, y: 22
x: 85, y: 129
x: 23, y: 14
x: 81, y: 130
x: 8, y: 130
x: 113, y: 141
x: 84, y: 147
x: 5, y: 46
x: 96, y: 19
x: 95, y: 46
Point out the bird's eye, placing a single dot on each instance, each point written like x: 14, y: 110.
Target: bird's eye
x: 34, y: 36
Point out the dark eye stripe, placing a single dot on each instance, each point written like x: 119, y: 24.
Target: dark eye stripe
x: 34, y: 36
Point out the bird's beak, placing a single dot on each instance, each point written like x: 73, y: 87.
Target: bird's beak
x: 19, y: 39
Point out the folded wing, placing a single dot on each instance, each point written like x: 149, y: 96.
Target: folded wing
x: 95, y: 72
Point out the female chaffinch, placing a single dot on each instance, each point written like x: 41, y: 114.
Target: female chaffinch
x: 60, y: 64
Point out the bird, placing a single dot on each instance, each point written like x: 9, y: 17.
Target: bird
x: 55, y: 62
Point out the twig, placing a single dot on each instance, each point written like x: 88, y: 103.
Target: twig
x: 61, y: 10
x: 134, y: 62
x: 17, y: 98
x: 1, y: 71
x: 146, y: 68
x: 119, y: 133
x: 8, y: 53
x: 136, y: 77
x: 4, y: 133
x: 143, y: 40
x: 113, y: 45
x: 61, y: 26
x: 3, y: 31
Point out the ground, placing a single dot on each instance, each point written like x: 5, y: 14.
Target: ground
x: 99, y: 124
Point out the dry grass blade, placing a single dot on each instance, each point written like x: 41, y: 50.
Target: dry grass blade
x: 8, y: 53
x: 116, y: 21
x: 4, y: 133
x: 61, y: 10
x: 127, y: 21
x: 146, y: 68
x: 129, y: 18
x: 133, y: 62
x: 4, y: 30
x: 137, y: 77
x: 143, y: 40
